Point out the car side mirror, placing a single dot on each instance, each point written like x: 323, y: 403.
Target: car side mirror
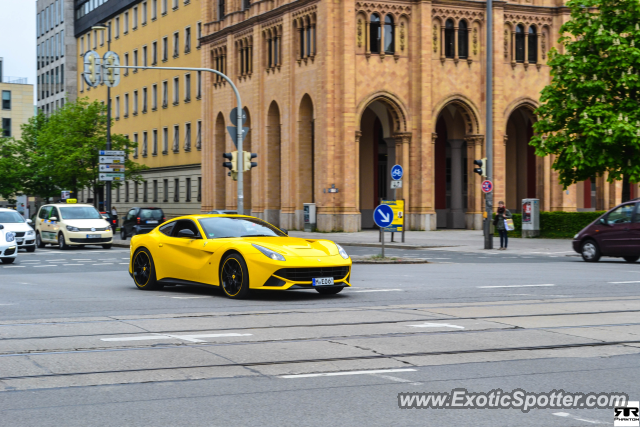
x: 186, y: 233
x: 29, y: 221
x: 53, y: 218
x: 603, y: 221
x: 285, y: 231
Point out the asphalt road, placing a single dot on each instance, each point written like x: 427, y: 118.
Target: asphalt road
x: 80, y: 345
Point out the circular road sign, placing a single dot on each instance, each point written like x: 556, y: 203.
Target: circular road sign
x: 487, y: 186
x: 383, y: 216
x: 233, y: 116
x: 397, y: 172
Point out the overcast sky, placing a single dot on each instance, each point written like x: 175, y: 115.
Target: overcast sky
x: 18, y: 38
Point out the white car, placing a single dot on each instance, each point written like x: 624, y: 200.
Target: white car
x: 8, y: 246
x: 24, y: 233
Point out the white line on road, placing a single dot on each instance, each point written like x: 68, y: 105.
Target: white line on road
x: 564, y: 414
x: 46, y: 265
x: 13, y: 266
x: 396, y: 379
x: 620, y: 283
x: 437, y: 325
x: 124, y: 263
x: 81, y: 259
x: 512, y: 286
x: 67, y: 265
x: 381, y: 290
x: 190, y: 338
x: 337, y: 374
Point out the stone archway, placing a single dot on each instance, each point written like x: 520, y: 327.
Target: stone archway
x: 305, y: 182
x: 273, y: 166
x: 521, y: 163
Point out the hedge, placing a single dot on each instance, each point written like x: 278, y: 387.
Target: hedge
x: 560, y: 225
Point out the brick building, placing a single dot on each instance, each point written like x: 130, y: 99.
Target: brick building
x: 338, y: 92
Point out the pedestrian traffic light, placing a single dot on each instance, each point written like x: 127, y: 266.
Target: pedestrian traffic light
x: 232, y: 165
x: 247, y: 163
x: 482, y: 169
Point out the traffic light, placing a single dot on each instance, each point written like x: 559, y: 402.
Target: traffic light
x: 482, y: 169
x: 247, y: 163
x: 232, y: 165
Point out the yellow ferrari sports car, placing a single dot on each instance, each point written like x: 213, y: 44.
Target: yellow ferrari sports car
x: 237, y: 253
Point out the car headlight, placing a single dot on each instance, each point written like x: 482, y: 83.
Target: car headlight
x: 269, y: 253
x: 31, y: 233
x: 70, y: 228
x: 342, y: 252
x: 576, y: 236
x: 10, y: 236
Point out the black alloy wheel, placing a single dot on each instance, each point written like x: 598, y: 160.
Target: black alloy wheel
x: 31, y: 248
x: 39, y: 241
x: 144, y: 272
x: 330, y: 290
x: 234, y: 277
x: 62, y: 243
x: 631, y: 258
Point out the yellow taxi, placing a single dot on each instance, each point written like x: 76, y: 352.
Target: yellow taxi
x: 71, y: 224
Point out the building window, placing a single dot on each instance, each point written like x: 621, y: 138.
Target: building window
x: 199, y: 189
x: 165, y: 94
x: 154, y: 149
x: 166, y: 190
x: 520, y: 43
x: 389, y: 35
x: 144, y: 13
x: 533, y: 45
x: 449, y: 39
x: 187, y: 40
x: 199, y: 34
x: 176, y: 90
x: 95, y: 40
x: 199, y: 86
x: 154, y: 53
x: 375, y: 33
x: 6, y: 127
x: 126, y: 22
x: 165, y: 141
x: 175, y: 4
x: 144, y: 145
x: 187, y: 137
x: 463, y: 39
x: 145, y: 191
x: 154, y: 97
x: 221, y: 9
x: 62, y: 44
x: 199, y: 135
x: 245, y: 56
x: 126, y: 105
x: 126, y: 63
x: 155, y: 190
x: 144, y: 56
x: 176, y: 190
x: 176, y: 138
x: 187, y: 88
x: 165, y: 49
x: 187, y: 188
x: 135, y: 60
x: 144, y: 100
x: 117, y: 29
x: 164, y: 10
x: 6, y: 100
x: 135, y: 149
x: 117, y: 108
x: 135, y: 102
x: 154, y: 10
x: 134, y: 24
x: 219, y: 59
x: 176, y: 44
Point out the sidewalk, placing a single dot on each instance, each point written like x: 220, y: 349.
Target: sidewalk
x: 445, y: 240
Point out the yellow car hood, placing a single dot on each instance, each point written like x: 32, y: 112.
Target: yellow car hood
x: 295, y: 246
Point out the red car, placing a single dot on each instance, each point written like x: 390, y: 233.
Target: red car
x: 614, y: 234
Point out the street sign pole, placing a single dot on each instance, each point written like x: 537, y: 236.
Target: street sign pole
x: 488, y: 238
x: 108, y: 186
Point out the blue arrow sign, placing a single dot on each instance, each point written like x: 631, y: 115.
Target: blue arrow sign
x: 397, y: 172
x: 383, y: 216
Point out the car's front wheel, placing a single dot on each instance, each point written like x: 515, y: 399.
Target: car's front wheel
x: 8, y: 260
x: 330, y: 291
x: 31, y: 248
x: 62, y: 243
x: 39, y: 241
x: 144, y: 271
x: 590, y: 251
x: 234, y: 276
x: 106, y: 246
x: 631, y: 258
x: 123, y: 234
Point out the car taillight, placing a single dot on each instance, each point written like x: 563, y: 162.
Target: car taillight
x: 138, y: 220
x: 164, y: 219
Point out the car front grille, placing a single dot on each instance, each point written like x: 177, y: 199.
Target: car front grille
x: 19, y: 233
x: 90, y: 241
x: 10, y: 251
x: 96, y: 229
x: 308, y: 274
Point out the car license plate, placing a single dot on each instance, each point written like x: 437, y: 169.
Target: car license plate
x: 93, y: 236
x: 323, y: 281
x: 152, y: 222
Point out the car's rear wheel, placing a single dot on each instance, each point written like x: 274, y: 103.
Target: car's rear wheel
x: 62, y: 243
x: 631, y: 258
x: 123, y: 233
x: 330, y: 291
x: 31, y: 248
x: 590, y: 251
x: 144, y: 271
x: 234, y: 276
x: 8, y: 260
x: 39, y: 241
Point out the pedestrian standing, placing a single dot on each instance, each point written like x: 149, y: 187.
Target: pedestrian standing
x: 502, y: 214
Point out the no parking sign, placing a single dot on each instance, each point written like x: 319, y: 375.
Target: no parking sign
x: 487, y: 186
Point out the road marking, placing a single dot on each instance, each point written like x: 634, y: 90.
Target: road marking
x: 442, y: 258
x: 167, y: 296
x: 82, y: 259
x: 381, y: 290
x: 7, y: 304
x: 437, y: 325
x: 13, y: 266
x: 512, y: 286
x: 619, y: 283
x: 46, y: 265
x: 190, y: 338
x: 396, y: 379
x: 337, y: 374
x: 124, y: 263
x: 67, y: 265
x: 564, y: 414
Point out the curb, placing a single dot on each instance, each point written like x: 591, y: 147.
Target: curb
x: 398, y: 261
x: 121, y: 245
x: 396, y: 246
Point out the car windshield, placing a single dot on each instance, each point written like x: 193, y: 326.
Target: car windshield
x: 80, y: 212
x: 216, y: 228
x: 10, y: 218
x: 151, y: 214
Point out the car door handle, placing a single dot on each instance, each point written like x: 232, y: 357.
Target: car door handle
x: 160, y: 245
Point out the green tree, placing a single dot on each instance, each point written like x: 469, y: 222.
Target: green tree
x: 590, y: 113
x: 10, y: 169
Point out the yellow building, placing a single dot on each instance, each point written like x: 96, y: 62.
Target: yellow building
x: 159, y: 109
x: 17, y: 105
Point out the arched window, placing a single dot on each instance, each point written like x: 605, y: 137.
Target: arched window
x: 374, y: 34
x: 463, y: 40
x: 221, y: 8
x: 389, y: 33
x: 533, y: 45
x: 520, y: 43
x: 449, y: 39
x: 308, y: 38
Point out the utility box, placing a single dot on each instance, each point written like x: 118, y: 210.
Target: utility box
x: 530, y: 217
x: 309, y: 216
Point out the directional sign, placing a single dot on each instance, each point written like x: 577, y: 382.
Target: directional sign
x: 383, y: 216
x: 111, y: 159
x: 111, y: 153
x: 487, y: 186
x: 233, y: 116
x: 112, y: 168
x: 396, y: 184
x: 397, y: 172
x: 111, y: 177
x: 233, y: 131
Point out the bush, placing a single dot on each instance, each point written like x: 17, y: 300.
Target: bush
x: 559, y: 225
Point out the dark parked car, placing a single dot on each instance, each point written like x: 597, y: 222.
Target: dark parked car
x: 113, y: 220
x: 140, y: 221
x: 222, y: 212
x: 614, y: 234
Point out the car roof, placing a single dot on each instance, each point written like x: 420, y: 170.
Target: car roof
x: 84, y: 205
x: 8, y: 210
